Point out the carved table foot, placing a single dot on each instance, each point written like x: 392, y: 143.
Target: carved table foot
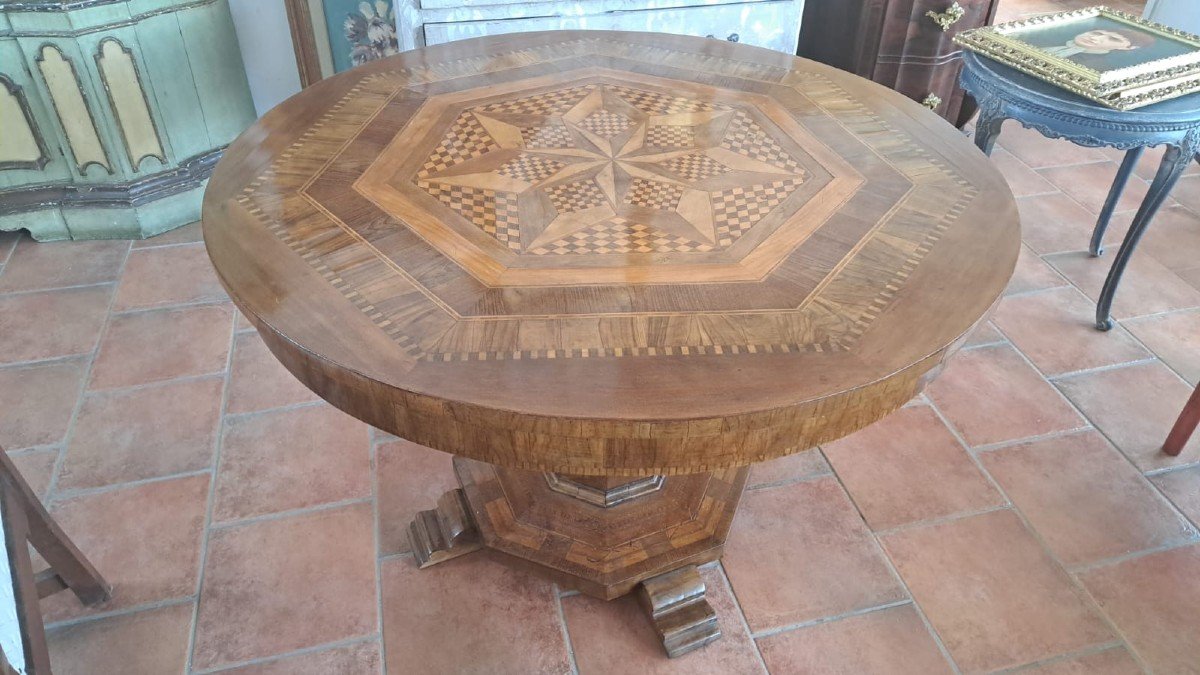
x: 681, y: 615
x: 440, y: 534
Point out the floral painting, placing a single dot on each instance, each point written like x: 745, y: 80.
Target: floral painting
x: 360, y: 31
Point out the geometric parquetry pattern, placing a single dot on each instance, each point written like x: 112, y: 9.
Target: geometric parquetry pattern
x: 634, y: 198
x: 624, y: 168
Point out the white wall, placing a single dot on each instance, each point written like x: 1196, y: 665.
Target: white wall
x: 1182, y: 14
x: 266, y: 45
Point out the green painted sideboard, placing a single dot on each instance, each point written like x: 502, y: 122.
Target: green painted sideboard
x: 113, y: 113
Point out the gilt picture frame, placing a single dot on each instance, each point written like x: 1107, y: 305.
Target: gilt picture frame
x: 1114, y: 58
x: 329, y: 36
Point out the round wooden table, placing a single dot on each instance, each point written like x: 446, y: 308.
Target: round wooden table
x: 608, y: 271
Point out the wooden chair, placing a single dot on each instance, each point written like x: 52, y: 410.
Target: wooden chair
x: 1184, y: 426
x: 24, y: 521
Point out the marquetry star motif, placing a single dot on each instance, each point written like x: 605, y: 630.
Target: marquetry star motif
x: 606, y: 168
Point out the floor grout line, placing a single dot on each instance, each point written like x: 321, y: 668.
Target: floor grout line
x: 289, y: 513
x: 741, y: 613
x: 80, y: 396
x: 1134, y: 555
x: 51, y: 289
x: 807, y: 478
x: 210, y: 505
x: 1002, y: 445
x: 899, y: 579
x: 303, y: 651
x: 156, y: 384
x: 566, y: 632
x: 124, y: 611
x: 377, y: 522
x: 47, y: 362
x: 1079, y: 589
x: 62, y: 495
x: 1069, y: 656
x: 770, y: 632
x: 173, y: 307
x: 942, y: 520
x: 1171, y: 469
x: 1102, y: 369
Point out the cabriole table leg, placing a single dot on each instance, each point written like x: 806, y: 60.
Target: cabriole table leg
x: 1174, y: 161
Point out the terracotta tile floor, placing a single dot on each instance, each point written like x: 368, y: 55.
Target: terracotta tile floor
x: 1017, y: 516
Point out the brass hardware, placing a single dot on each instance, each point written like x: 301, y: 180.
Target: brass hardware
x: 932, y: 101
x: 947, y: 18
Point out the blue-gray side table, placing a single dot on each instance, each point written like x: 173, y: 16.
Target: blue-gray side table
x: 1005, y: 93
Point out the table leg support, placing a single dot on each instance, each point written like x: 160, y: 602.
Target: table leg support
x: 1114, y: 196
x: 987, y: 127
x: 1174, y: 161
x: 605, y: 536
x: 679, y: 611
x: 444, y: 533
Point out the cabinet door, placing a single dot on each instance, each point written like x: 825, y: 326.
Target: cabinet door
x: 910, y: 34
x: 918, y: 58
x: 774, y: 24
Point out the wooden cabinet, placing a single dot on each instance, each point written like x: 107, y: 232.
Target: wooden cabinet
x: 904, y: 44
x: 113, y: 114
x: 774, y: 24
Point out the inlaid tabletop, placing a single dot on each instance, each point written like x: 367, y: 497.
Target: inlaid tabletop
x: 609, y: 253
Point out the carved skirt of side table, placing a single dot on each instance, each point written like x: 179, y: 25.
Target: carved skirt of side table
x: 1004, y: 93
x: 608, y: 271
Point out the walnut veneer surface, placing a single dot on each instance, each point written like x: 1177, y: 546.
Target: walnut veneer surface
x: 609, y: 253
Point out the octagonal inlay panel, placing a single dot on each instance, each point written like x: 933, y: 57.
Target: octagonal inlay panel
x: 623, y: 170
x: 608, y: 177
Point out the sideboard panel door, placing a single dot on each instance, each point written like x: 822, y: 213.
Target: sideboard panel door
x: 73, y: 109
x: 132, y: 103
x: 907, y: 45
x: 175, y: 92
x: 216, y: 65
x: 20, y: 144
x: 123, y: 82
x: 23, y: 93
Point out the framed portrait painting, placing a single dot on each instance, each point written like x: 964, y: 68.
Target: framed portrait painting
x: 330, y: 36
x: 1109, y: 56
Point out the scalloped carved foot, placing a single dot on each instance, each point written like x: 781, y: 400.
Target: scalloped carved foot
x: 440, y: 534
x: 681, y: 615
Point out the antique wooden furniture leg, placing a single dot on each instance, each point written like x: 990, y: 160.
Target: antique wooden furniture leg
x: 69, y: 569
x: 440, y: 534
x: 681, y: 615
x: 605, y: 536
x: 25, y: 521
x: 1189, y: 418
x: 1174, y: 161
x: 1114, y: 196
x: 987, y: 127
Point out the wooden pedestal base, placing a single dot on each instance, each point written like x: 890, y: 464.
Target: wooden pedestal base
x: 601, y: 536
x: 682, y: 616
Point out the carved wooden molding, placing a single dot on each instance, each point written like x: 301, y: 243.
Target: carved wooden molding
x: 304, y: 41
x: 21, y: 144
x: 123, y: 82
x: 71, y: 107
x: 437, y: 535
x: 679, y: 611
x: 605, y: 497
